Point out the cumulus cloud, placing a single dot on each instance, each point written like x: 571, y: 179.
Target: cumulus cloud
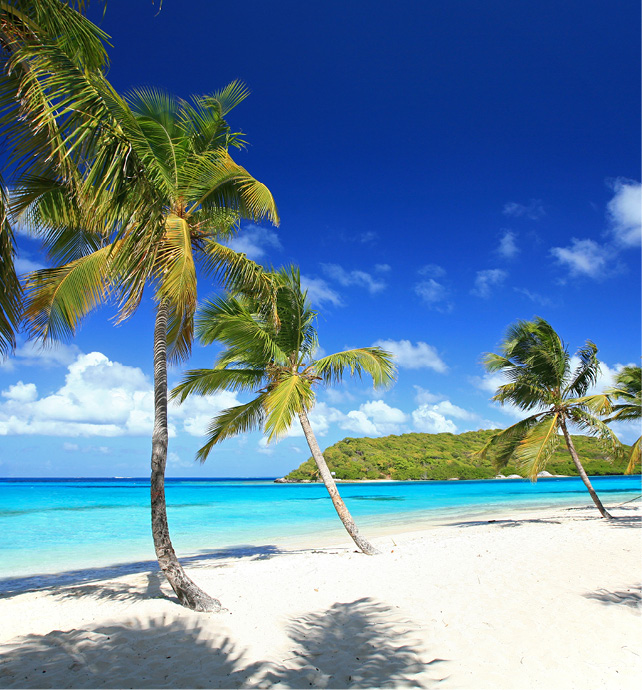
x: 100, y: 398
x: 432, y: 271
x: 31, y: 354
x: 486, y: 280
x: 423, y: 395
x: 320, y: 292
x: 507, y: 245
x: 374, y: 418
x: 349, y: 278
x: 426, y: 419
x: 533, y: 210
x: 624, y: 212
x: 584, y: 257
x: 431, y: 292
x: 254, y: 241
x: 409, y: 356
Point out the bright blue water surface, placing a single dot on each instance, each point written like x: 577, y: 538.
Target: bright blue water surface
x: 57, y: 525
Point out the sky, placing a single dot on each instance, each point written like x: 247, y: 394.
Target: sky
x: 441, y: 170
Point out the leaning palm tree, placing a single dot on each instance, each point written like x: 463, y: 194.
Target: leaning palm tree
x: 273, y: 357
x: 628, y: 389
x: 157, y: 193
x: 537, y: 365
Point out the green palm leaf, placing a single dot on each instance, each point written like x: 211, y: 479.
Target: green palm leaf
x: 231, y: 422
x: 285, y: 399
x: 538, y: 445
x: 209, y: 381
x: 370, y: 360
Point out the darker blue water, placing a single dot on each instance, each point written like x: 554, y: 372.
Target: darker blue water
x: 56, y: 525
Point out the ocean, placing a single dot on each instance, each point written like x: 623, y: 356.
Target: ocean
x: 55, y: 528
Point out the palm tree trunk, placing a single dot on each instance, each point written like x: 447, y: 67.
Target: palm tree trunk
x: 571, y: 449
x: 188, y: 593
x: 331, y: 486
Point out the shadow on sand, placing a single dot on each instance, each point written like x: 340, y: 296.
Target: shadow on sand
x: 631, y: 597
x: 17, y: 585
x: 351, y: 645
x: 502, y: 523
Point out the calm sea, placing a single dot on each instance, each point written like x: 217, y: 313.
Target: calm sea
x: 55, y: 526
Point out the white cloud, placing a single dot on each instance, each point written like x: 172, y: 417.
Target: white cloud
x: 584, y: 257
x: 21, y: 392
x: 432, y: 271
x: 197, y: 411
x: 254, y: 241
x: 382, y: 268
x: 486, y: 280
x: 431, y: 292
x: 100, y: 398
x: 32, y: 354
x: 427, y: 420
x: 625, y: 212
x: 533, y: 210
x: 534, y: 296
x: 411, y: 356
x: 349, y: 278
x: 374, y: 418
x: 446, y: 408
x: 319, y: 292
x: 507, y: 245
x: 24, y: 264
x: 423, y: 396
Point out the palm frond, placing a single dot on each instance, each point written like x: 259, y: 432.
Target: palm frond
x: 284, y: 400
x: 586, y: 373
x: 634, y: 457
x: 370, y: 360
x: 58, y: 298
x: 208, y: 381
x: 10, y: 288
x: 538, y: 445
x: 232, y: 422
x: 503, y: 444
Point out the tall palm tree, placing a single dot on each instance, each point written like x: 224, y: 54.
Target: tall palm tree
x: 155, y: 194
x: 537, y: 366
x: 628, y: 389
x: 274, y: 359
x: 28, y: 27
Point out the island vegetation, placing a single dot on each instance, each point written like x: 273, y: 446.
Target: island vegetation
x: 443, y: 456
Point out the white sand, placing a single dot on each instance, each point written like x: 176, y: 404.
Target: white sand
x: 547, y: 602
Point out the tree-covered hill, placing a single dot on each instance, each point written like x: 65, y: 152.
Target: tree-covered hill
x: 441, y: 456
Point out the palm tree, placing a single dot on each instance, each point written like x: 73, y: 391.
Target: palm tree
x: 538, y: 367
x: 26, y: 29
x: 156, y: 195
x: 274, y: 359
x: 628, y: 386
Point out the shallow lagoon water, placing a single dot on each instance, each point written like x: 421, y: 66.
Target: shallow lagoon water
x: 58, y: 525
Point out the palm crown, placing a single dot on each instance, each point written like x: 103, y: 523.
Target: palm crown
x: 272, y: 358
x: 537, y: 365
x: 178, y: 199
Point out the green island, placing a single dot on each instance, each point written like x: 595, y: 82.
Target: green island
x: 442, y: 456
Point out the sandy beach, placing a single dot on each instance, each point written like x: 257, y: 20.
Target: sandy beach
x: 549, y: 599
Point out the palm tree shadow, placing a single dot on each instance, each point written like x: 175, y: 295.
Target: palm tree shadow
x: 119, y: 590
x: 158, y: 652
x: 631, y: 597
x: 354, y: 645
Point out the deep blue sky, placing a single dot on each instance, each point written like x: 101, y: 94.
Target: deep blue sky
x: 441, y: 169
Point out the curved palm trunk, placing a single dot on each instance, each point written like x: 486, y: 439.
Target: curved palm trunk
x: 571, y: 448
x: 330, y: 485
x: 188, y: 593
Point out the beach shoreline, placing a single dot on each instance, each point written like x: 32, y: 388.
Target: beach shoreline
x: 520, y: 599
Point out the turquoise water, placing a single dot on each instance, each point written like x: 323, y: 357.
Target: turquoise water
x: 58, y: 525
